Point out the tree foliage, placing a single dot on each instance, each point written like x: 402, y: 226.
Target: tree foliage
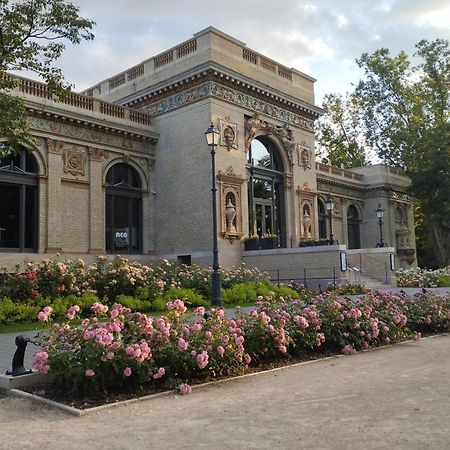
x: 338, y: 133
x: 400, y: 111
x: 33, y: 35
x: 406, y: 118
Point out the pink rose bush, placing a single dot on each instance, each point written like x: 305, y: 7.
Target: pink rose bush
x: 117, y: 347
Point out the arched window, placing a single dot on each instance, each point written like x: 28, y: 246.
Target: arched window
x: 322, y: 220
x: 18, y: 201
x: 353, y: 221
x: 266, y: 205
x: 123, y: 210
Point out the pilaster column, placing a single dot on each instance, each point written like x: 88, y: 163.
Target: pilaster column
x: 54, y: 204
x: 96, y: 202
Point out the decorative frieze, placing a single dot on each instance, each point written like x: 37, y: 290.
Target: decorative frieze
x: 230, y: 95
x: 86, y: 134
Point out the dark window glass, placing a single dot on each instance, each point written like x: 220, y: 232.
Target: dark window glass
x: 9, y: 216
x: 123, y: 210
x: 18, y: 202
x: 322, y: 221
x: 354, y: 240
x: 30, y: 217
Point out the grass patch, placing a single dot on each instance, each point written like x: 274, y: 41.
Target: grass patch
x: 22, y: 326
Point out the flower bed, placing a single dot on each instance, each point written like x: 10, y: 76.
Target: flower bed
x: 117, y: 349
x: 423, y: 278
x: 109, y: 279
x: 138, y: 287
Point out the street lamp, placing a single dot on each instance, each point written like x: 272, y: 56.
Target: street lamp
x: 329, y: 204
x: 212, y: 137
x: 380, y: 215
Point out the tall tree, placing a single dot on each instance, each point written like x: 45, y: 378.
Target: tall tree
x: 338, y: 135
x: 33, y: 34
x: 400, y: 112
x: 406, y: 118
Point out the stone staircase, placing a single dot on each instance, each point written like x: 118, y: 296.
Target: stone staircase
x: 369, y: 282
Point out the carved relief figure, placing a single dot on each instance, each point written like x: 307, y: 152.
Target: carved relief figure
x: 252, y: 126
x: 304, y: 156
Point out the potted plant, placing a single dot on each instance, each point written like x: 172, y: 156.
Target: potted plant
x: 251, y: 242
x: 269, y: 241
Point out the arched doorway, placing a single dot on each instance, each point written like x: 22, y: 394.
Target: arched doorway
x: 123, y: 210
x: 266, y: 203
x: 18, y: 201
x: 353, y: 223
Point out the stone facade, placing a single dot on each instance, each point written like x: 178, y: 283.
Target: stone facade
x: 153, y: 117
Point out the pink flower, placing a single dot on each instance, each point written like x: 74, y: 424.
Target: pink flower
x: 185, y: 389
x: 182, y: 345
x: 45, y: 313
x: 220, y: 350
x: 72, y: 311
x: 202, y: 359
x: 200, y: 311
x: 89, y: 373
x: 99, y: 308
x: 40, y: 362
x: 348, y: 350
x: 301, y: 321
x: 110, y: 355
x: 127, y: 371
x: 161, y: 372
x: 116, y: 345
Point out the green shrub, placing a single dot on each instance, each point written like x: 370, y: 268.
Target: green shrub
x: 444, y: 280
x: 134, y: 303
x: 158, y: 305
x: 240, y: 294
x: 285, y: 291
x: 59, y: 306
x: 84, y: 301
x: 11, y: 312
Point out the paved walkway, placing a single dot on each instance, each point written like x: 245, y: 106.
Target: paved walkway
x: 394, y: 397
x: 8, y: 347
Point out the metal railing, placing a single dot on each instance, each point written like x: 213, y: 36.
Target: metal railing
x: 317, y: 276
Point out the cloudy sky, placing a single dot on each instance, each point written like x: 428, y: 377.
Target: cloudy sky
x: 319, y: 37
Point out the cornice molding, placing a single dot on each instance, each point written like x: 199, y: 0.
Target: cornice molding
x: 36, y: 110
x: 214, y: 72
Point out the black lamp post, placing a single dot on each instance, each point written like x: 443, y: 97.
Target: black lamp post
x: 212, y: 137
x: 380, y: 215
x: 329, y: 204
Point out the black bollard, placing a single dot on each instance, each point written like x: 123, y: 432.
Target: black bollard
x: 17, y: 362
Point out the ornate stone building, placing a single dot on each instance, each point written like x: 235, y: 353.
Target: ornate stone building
x: 124, y: 169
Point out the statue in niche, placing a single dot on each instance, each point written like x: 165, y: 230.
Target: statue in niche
x: 230, y: 216
x: 307, y: 222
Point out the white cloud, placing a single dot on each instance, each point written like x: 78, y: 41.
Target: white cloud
x: 321, y: 38
x: 342, y: 21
